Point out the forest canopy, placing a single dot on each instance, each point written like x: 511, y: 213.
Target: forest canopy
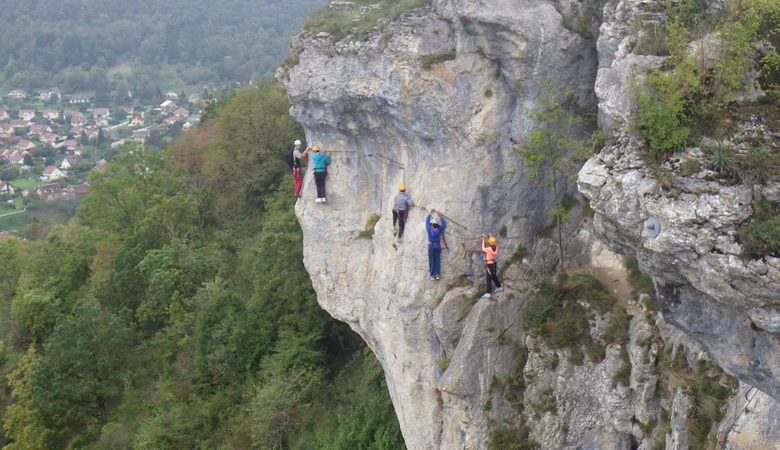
x: 136, y: 45
x: 174, y: 311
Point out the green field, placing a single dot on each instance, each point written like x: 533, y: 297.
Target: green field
x: 26, y: 183
x: 15, y: 222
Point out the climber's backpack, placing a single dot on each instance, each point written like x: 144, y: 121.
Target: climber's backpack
x: 289, y: 158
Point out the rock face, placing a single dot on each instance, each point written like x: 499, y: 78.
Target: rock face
x: 726, y: 303
x: 441, y: 99
x: 449, y: 131
x: 683, y: 231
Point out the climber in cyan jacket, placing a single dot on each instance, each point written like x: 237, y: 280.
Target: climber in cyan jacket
x: 320, y: 161
x: 435, y: 228
x: 401, y: 205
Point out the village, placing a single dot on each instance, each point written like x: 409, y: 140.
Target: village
x: 50, y: 141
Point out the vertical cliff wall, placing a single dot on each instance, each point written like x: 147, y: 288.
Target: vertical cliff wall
x: 449, y: 130
x: 441, y: 99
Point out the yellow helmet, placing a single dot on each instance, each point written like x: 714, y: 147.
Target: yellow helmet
x: 316, y: 148
x: 402, y: 187
x: 492, y: 240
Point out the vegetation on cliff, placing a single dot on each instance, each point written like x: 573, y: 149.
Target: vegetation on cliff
x: 358, y: 18
x: 716, y: 56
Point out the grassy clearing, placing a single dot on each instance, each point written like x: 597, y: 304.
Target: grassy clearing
x: 15, y: 222
x: 124, y: 69
x: 361, y: 19
x: 705, y: 383
x: 26, y: 183
x: 761, y: 237
x: 560, y: 313
x: 642, y: 283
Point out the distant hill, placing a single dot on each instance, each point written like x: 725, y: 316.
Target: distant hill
x: 143, y: 45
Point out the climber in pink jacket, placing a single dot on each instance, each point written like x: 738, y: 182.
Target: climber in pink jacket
x: 491, y: 266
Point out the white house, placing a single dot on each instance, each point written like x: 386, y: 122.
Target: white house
x: 71, y: 161
x: 16, y: 158
x: 27, y: 114
x: 49, y: 95
x: 51, y: 114
x: 80, y: 98
x: 17, y: 94
x: 167, y: 106
x: 52, y: 173
x: 100, y: 113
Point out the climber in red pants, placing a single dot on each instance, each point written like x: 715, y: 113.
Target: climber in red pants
x: 293, y: 160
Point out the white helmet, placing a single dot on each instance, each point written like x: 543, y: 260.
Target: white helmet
x: 297, y: 142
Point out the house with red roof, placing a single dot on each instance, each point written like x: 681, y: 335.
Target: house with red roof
x: 77, y: 119
x: 49, y: 192
x: 25, y: 146
x: 52, y: 173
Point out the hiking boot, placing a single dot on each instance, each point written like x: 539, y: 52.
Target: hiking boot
x: 437, y: 277
x: 432, y: 277
x: 498, y: 290
x: 486, y: 295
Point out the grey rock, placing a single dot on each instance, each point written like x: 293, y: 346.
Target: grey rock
x: 682, y: 406
x: 443, y: 130
x: 707, y: 290
x: 752, y: 421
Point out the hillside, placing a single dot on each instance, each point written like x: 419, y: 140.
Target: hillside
x: 174, y: 312
x: 143, y: 46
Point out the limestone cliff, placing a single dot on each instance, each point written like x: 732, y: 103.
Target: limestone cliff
x: 441, y: 99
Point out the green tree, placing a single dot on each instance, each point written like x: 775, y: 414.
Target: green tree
x: 174, y: 273
x: 78, y: 378
x: 553, y: 148
x: 21, y: 421
x: 237, y: 156
x: 121, y: 193
x: 168, y: 428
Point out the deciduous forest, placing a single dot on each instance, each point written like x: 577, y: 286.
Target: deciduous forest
x: 174, y: 311
x: 143, y: 45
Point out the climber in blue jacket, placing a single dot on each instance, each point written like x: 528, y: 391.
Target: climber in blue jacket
x: 435, y: 228
x: 320, y: 162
